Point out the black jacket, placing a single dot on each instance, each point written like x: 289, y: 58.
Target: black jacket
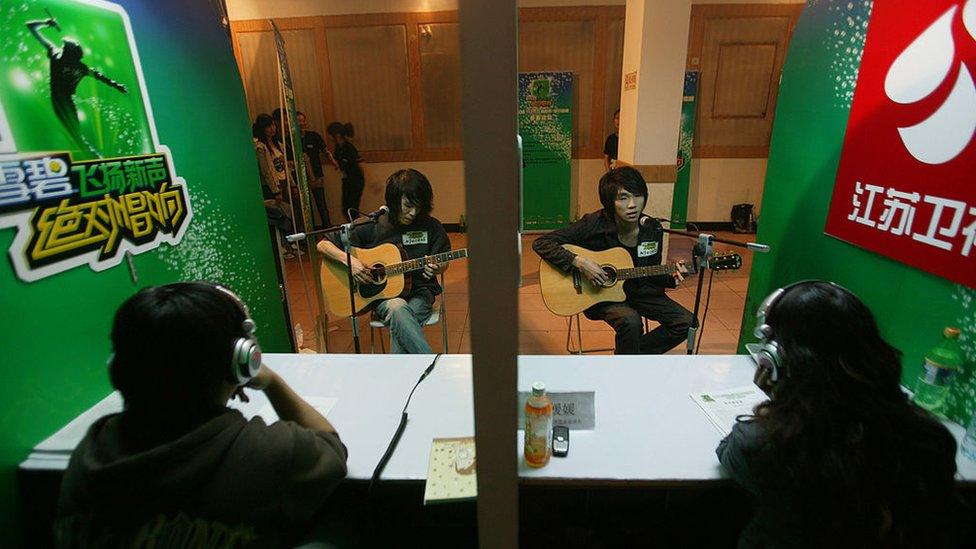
x: 597, y: 232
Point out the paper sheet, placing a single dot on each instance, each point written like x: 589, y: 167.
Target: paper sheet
x: 722, y: 407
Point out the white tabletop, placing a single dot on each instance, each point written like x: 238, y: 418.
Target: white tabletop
x: 648, y: 429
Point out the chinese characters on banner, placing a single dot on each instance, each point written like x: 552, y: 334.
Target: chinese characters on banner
x: 906, y: 183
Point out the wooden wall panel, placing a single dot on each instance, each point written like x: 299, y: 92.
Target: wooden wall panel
x: 740, y: 50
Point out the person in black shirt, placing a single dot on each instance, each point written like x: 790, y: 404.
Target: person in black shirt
x: 623, y: 194
x: 610, y: 145
x: 348, y: 161
x: 314, y: 147
x: 839, y: 456
x: 410, y: 226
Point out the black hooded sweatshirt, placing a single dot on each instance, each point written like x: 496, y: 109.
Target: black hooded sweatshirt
x: 228, y: 482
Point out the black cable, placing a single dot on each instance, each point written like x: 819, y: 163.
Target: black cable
x: 708, y: 298
x: 400, y: 428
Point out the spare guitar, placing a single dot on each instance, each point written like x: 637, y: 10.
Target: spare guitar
x: 387, y: 269
x: 569, y: 293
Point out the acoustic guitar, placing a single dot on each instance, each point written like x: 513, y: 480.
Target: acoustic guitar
x: 569, y: 293
x: 387, y: 269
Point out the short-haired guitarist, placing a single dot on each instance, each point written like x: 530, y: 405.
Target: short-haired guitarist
x: 623, y: 194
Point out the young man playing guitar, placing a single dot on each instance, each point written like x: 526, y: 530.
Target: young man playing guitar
x: 410, y: 226
x: 623, y: 194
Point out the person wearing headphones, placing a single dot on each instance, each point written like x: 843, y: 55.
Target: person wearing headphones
x: 177, y: 463
x: 838, y: 456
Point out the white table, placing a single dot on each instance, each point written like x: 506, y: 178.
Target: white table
x: 648, y: 430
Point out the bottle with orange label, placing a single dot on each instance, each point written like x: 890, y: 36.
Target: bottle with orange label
x: 538, y: 427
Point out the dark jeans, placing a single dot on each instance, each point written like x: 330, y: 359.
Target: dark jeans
x: 318, y: 196
x: 625, y: 318
x: 352, y: 193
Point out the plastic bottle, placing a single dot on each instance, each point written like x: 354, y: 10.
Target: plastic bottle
x: 941, y: 365
x: 538, y: 427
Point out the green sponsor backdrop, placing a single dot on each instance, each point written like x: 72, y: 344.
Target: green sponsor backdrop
x: 679, y: 206
x: 815, y: 96
x: 55, y: 330
x: 546, y: 127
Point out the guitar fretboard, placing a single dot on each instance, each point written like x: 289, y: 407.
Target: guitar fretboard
x: 421, y: 262
x: 651, y: 270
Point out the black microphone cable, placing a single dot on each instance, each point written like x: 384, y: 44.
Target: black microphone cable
x: 399, y: 431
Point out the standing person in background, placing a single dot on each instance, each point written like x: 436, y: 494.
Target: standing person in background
x: 271, y: 167
x: 348, y: 161
x: 314, y: 147
x: 610, y: 145
x: 271, y: 157
x: 839, y: 456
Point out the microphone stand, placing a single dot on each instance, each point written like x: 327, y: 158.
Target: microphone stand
x: 705, y: 241
x: 344, y: 230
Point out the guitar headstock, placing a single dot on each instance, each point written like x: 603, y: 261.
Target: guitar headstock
x: 725, y: 261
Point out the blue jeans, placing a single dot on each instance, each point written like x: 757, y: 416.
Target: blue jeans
x: 406, y: 318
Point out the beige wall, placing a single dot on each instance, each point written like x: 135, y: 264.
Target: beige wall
x: 719, y: 183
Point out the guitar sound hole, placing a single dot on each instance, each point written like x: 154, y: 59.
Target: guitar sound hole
x: 378, y: 273
x: 611, y: 273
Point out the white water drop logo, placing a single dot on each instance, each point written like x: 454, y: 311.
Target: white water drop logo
x: 918, y: 71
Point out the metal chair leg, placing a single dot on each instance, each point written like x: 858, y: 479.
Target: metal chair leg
x: 579, y: 338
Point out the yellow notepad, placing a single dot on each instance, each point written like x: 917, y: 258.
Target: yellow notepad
x: 451, y: 475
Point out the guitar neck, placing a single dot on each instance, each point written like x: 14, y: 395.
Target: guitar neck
x: 421, y: 262
x: 640, y: 272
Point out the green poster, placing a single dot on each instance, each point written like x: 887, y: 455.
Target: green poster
x: 679, y: 206
x: 546, y: 127
x: 125, y: 161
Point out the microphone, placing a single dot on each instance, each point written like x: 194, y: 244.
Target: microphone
x: 757, y: 247
x: 378, y: 213
x: 295, y: 237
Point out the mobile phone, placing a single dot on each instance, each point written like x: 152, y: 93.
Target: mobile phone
x: 560, y: 440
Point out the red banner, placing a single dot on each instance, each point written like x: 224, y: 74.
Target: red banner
x: 906, y: 183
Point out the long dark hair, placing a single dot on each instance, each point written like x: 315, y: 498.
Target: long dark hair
x: 870, y: 466
x: 261, y: 123
x: 411, y: 184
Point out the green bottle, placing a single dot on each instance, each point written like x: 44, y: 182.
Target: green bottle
x: 939, y: 370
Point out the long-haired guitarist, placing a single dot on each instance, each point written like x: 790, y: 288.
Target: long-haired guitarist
x: 623, y: 194
x: 410, y: 226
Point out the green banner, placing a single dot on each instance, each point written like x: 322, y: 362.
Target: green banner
x: 679, y: 206
x: 125, y: 161
x: 546, y: 127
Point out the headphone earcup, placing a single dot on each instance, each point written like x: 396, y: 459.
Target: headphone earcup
x: 769, y: 357
x: 246, y: 360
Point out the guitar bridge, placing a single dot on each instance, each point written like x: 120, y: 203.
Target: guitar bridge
x: 577, y: 282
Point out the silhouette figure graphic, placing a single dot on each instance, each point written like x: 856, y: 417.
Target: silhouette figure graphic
x: 67, y: 71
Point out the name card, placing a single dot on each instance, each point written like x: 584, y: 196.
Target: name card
x: 575, y: 410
